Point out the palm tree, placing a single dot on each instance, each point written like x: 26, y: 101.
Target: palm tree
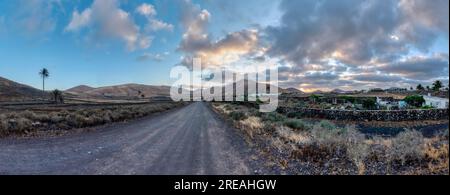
x: 437, y: 85
x: 44, y: 74
x: 419, y: 87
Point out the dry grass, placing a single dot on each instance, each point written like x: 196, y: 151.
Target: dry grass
x: 322, y: 143
x: 294, y: 137
x: 22, y: 122
x: 251, y: 126
x: 407, y: 145
x: 438, y: 161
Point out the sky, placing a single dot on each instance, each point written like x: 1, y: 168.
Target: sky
x: 315, y: 44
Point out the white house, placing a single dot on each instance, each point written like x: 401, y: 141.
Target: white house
x: 436, y: 102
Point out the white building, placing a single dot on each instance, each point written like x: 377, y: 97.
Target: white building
x: 436, y: 102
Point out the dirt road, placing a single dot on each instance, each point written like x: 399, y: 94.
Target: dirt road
x: 190, y: 140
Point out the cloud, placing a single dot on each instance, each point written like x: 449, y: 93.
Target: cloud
x: 319, y: 76
x: 351, y: 31
x: 195, y: 22
x: 430, y: 15
x: 156, y: 25
x: 79, y: 20
x: 155, y: 57
x: 197, y: 42
x: 146, y: 10
x: 420, y: 67
x: 106, y: 20
x: 35, y: 17
x: 153, y: 24
x: 375, y: 78
x: 145, y: 42
x: 365, y: 39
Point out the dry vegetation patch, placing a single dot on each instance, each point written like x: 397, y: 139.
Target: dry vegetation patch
x: 28, y: 121
x: 339, y: 150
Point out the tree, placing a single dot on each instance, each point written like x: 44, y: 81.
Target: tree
x: 414, y: 100
x: 315, y: 98
x: 411, y: 88
x: 44, y: 74
x: 369, y: 103
x: 57, y: 96
x: 419, y: 87
x: 437, y: 85
x: 428, y: 88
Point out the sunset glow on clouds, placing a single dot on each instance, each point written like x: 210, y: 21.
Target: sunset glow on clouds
x: 317, y: 44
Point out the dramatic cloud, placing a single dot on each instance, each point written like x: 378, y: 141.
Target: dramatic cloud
x: 427, y: 14
x: 197, y: 42
x: 195, y: 22
x: 420, y: 68
x: 375, y: 78
x: 106, y: 19
x: 360, y: 35
x: 346, y: 30
x: 317, y: 44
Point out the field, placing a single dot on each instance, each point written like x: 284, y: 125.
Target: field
x: 32, y: 119
x: 305, y: 146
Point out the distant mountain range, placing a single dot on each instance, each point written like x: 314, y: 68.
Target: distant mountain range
x: 13, y: 91
x: 292, y: 90
x: 126, y: 90
x: 79, y: 89
x: 340, y: 91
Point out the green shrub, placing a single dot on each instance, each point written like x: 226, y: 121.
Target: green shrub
x: 347, y: 98
x: 273, y: 117
x: 324, y: 136
x: 293, y: 114
x: 228, y: 107
x: 426, y: 107
x: 369, y: 103
x: 327, y: 125
x: 414, y: 100
x: 295, y: 124
x: 237, y: 115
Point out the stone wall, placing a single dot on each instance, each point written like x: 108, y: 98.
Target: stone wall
x: 369, y: 115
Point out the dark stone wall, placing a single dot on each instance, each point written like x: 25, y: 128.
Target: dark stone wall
x: 369, y: 115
